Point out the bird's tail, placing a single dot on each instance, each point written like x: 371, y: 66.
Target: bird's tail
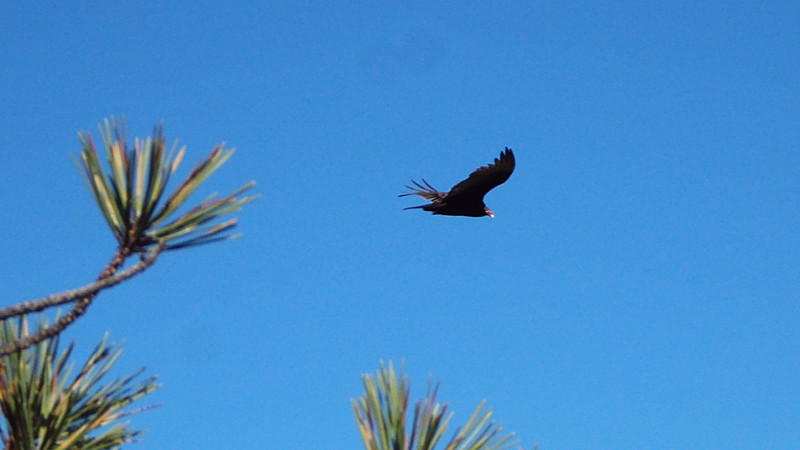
x: 424, y: 190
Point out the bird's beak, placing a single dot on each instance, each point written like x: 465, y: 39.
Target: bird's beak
x: 490, y: 214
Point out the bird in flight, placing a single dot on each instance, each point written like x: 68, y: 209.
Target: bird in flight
x: 466, y: 197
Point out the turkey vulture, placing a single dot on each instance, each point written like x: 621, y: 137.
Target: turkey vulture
x: 466, y: 198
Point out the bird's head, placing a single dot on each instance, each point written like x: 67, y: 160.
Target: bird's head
x: 488, y: 212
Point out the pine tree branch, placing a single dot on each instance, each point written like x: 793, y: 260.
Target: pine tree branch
x: 84, y: 296
x: 60, y: 298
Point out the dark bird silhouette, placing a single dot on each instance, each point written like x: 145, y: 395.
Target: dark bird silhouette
x: 466, y: 197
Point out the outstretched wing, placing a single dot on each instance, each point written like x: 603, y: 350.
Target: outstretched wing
x: 485, y: 178
x: 427, y: 191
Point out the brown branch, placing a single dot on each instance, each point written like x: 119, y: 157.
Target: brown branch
x: 105, y: 279
x: 68, y: 296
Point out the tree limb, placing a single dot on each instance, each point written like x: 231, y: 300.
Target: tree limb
x: 84, y: 296
x: 68, y: 296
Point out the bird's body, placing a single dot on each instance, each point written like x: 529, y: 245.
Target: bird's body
x: 466, y: 197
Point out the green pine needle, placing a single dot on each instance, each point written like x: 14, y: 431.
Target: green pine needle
x: 43, y: 406
x: 381, y: 419
x: 132, y: 194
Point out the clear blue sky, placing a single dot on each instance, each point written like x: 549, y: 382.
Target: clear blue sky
x: 638, y: 288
